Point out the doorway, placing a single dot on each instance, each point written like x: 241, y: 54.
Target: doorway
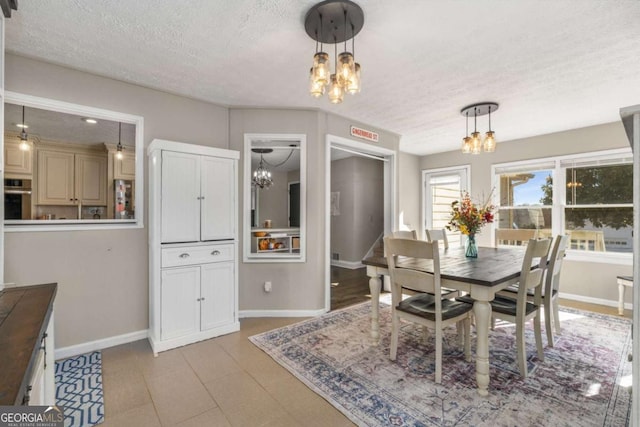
x: 336, y: 203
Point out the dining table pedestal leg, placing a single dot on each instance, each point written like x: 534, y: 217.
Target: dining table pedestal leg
x: 482, y: 313
x: 374, y: 287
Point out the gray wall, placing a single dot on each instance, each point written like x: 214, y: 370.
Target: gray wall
x: 589, y: 279
x: 102, y: 275
x: 296, y: 286
x: 359, y: 181
x: 409, y: 182
x: 273, y: 202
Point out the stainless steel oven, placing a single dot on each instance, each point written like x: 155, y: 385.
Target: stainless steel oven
x: 17, y: 199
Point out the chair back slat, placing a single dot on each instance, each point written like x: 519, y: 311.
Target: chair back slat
x: 402, y: 254
x: 552, y: 281
x: 440, y: 235
x: 405, y: 234
x: 532, y: 278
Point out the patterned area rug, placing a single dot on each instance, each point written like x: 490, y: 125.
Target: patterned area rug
x: 79, y: 389
x: 584, y: 380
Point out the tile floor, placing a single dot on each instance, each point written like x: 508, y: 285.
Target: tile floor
x: 226, y: 381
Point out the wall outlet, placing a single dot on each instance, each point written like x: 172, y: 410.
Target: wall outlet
x: 267, y: 286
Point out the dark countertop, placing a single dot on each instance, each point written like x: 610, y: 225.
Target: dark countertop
x: 24, y: 315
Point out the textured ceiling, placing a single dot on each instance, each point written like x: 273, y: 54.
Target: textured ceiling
x: 552, y: 65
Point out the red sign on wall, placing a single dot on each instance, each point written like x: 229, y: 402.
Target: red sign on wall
x: 364, y: 134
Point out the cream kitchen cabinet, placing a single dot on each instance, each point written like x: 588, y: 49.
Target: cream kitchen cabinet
x: 18, y: 163
x: 125, y: 168
x: 66, y: 178
x: 193, y: 264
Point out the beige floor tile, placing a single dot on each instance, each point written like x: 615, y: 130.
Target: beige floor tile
x: 179, y: 396
x: 244, y: 401
x: 209, y: 361
x: 213, y: 418
x: 142, y: 416
x: 119, y: 358
x: 123, y: 391
x: 285, y: 421
x: 166, y: 362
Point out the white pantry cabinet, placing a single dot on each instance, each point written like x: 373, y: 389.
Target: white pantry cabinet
x: 193, y: 198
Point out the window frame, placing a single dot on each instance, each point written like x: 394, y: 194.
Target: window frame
x: 98, y: 113
x: 559, y: 198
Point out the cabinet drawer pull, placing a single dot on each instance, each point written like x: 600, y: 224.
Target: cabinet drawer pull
x: 184, y: 255
x: 216, y: 252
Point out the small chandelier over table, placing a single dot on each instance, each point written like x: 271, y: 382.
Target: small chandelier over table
x: 334, y: 22
x: 474, y: 144
x: 261, y: 176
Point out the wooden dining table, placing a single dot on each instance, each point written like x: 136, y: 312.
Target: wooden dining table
x: 493, y: 270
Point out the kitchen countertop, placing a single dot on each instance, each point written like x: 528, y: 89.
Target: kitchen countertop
x: 24, y: 315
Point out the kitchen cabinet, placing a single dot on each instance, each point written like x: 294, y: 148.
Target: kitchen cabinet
x: 198, y: 197
x: 193, y: 265
x: 125, y: 168
x: 66, y: 178
x: 18, y: 163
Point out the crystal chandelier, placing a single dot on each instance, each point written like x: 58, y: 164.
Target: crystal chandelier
x: 333, y: 22
x: 474, y: 144
x: 261, y: 176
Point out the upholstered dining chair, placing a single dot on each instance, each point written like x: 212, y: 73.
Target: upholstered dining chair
x: 427, y: 308
x: 439, y: 235
x: 550, y: 290
x: 519, y: 310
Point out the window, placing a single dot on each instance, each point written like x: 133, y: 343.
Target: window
x: 594, y: 204
x: 442, y: 187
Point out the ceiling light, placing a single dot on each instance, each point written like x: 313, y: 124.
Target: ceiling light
x: 261, y: 176
x: 22, y: 126
x: 119, y: 148
x: 333, y: 22
x: 24, y: 142
x: 474, y: 144
x: 89, y: 120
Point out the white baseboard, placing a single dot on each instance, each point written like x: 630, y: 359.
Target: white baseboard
x: 74, y: 350
x: 591, y: 300
x: 280, y: 313
x: 351, y: 265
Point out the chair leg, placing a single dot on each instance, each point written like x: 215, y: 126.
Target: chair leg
x: 556, y: 315
x: 395, y: 326
x: 460, y: 330
x: 548, y: 320
x: 425, y: 334
x: 537, y: 327
x: 493, y: 323
x: 467, y: 339
x: 521, y: 348
x: 438, y: 355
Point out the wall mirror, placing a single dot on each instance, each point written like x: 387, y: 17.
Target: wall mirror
x: 68, y: 166
x: 274, y: 197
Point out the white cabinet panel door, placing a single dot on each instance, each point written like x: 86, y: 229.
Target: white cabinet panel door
x: 180, y: 306
x: 91, y: 179
x: 218, y: 199
x: 217, y: 289
x: 55, y: 178
x: 180, y: 197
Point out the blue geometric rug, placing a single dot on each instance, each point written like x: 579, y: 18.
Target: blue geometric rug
x: 583, y: 381
x: 79, y: 389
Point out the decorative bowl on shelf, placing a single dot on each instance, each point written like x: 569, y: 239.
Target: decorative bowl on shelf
x: 260, y: 233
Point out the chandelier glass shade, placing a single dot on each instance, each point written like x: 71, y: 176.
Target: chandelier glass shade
x: 475, y: 144
x: 333, y: 22
x: 24, y: 138
x: 119, y: 148
x: 261, y: 176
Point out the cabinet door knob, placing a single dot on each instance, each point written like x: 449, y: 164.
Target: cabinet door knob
x: 199, y: 299
x: 184, y: 255
x: 202, y: 299
x: 216, y: 252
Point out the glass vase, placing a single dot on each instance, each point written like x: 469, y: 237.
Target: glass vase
x: 471, y: 250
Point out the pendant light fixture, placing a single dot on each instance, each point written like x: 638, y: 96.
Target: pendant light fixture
x: 261, y: 176
x: 24, y: 140
x: 334, y: 21
x: 475, y: 144
x: 119, y: 148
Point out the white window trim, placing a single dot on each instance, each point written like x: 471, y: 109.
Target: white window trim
x: 98, y: 113
x: 559, y: 205
x: 426, y: 220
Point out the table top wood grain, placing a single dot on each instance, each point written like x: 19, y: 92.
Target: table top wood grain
x: 493, y: 265
x: 24, y: 315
